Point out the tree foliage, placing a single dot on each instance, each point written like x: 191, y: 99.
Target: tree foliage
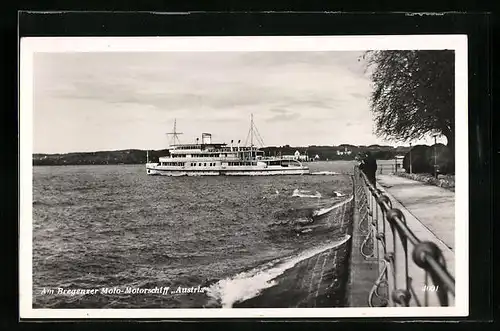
x: 413, y: 93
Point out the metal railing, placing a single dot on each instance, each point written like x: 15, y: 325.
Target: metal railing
x: 389, y: 241
x: 389, y: 168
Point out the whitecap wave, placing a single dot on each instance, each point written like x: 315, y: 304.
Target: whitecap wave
x: 251, y: 283
x: 304, y: 194
x: 325, y: 173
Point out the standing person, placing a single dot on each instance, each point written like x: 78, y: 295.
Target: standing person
x: 370, y: 168
x: 361, y: 159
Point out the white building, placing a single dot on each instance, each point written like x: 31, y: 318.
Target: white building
x: 296, y: 156
x: 344, y: 152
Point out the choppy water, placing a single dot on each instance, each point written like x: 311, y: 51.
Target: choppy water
x: 112, y: 226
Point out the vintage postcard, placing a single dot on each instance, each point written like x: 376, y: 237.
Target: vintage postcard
x: 213, y: 177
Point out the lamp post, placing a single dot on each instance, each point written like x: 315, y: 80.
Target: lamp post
x: 435, y: 155
x: 410, y: 161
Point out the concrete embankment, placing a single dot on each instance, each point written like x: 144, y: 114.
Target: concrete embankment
x: 362, y: 272
x: 317, y: 279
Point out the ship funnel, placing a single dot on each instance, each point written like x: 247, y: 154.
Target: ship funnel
x: 206, y: 138
x: 239, y: 144
x: 231, y: 145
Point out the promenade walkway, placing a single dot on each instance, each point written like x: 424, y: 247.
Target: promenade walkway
x: 432, y: 206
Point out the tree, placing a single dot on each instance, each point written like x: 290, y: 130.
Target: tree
x: 413, y: 94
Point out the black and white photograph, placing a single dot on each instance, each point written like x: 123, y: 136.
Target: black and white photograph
x: 195, y: 177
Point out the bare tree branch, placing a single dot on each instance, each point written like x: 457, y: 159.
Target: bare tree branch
x: 413, y: 93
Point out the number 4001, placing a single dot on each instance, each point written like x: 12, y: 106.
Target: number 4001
x: 430, y: 288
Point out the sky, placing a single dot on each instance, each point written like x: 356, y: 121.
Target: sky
x: 111, y: 101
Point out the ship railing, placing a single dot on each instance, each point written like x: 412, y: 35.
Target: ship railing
x: 403, y: 280
x: 225, y: 150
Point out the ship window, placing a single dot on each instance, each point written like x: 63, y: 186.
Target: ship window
x: 204, y: 164
x: 199, y: 164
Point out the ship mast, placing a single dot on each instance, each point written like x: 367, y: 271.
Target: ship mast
x: 253, y: 130
x: 175, y: 134
x: 251, y: 136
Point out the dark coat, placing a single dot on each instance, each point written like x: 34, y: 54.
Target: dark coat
x: 370, y: 168
x: 371, y: 164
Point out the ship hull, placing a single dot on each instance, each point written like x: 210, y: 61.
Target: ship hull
x: 248, y: 171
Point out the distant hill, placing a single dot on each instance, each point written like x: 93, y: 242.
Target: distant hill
x: 135, y: 156
x: 129, y: 156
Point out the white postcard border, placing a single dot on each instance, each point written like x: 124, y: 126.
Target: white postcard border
x: 31, y: 45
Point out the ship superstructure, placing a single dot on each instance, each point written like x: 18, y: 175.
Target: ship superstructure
x: 206, y: 158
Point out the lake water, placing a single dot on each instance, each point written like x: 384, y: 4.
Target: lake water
x: 114, y: 227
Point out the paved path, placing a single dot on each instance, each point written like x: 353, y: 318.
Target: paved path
x: 432, y: 206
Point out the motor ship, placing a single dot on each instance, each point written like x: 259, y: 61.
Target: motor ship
x: 206, y: 158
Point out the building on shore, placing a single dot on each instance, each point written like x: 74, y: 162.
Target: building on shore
x: 297, y: 156
x: 344, y: 152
